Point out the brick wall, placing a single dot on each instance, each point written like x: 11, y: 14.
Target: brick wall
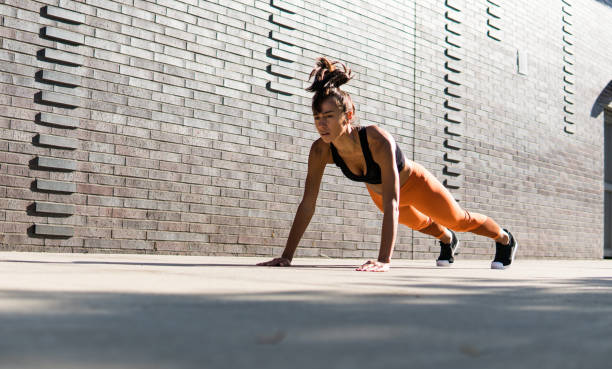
x: 188, y: 127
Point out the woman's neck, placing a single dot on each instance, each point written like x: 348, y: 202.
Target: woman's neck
x: 348, y: 143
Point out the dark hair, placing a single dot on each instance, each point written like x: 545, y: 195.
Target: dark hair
x: 327, y: 81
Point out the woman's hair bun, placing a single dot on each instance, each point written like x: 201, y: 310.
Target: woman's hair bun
x: 328, y: 75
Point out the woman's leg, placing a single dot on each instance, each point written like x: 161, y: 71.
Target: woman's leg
x: 411, y: 217
x: 430, y: 197
x: 427, y: 206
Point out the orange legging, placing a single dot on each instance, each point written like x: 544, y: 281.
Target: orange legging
x: 426, y: 205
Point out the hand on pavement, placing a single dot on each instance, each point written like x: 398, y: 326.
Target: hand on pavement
x: 374, y: 266
x: 276, y: 262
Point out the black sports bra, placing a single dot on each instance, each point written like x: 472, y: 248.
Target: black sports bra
x: 373, y: 175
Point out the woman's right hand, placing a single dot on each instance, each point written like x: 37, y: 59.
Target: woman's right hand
x: 283, y: 262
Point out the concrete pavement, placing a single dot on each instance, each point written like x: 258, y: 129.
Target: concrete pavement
x: 145, y: 311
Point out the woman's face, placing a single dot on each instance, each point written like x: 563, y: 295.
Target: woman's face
x: 331, y: 122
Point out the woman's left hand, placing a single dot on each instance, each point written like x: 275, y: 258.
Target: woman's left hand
x: 374, y: 266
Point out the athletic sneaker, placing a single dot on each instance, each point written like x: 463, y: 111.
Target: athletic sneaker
x: 447, y: 251
x: 504, y: 254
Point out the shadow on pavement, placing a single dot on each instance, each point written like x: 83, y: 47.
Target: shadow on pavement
x: 467, y: 323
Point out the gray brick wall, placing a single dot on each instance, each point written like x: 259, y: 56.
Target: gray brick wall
x: 192, y: 128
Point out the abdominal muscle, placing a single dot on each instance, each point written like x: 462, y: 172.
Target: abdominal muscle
x: 403, y: 177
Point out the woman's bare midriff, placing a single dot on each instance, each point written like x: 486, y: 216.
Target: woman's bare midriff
x: 404, y: 174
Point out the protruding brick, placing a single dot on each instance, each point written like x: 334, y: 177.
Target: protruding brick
x: 283, y: 37
x: 454, y: 78
x: 278, y: 87
x: 56, y: 163
x: 453, y: 90
x: 453, y: 40
x: 495, y: 11
x: 59, y: 77
x: 455, y: 16
x: 283, y: 21
x: 494, y: 23
x: 567, y: 10
x: 495, y: 34
x: 453, y: 144
x: 454, y: 53
x: 281, y: 54
x: 567, y: 19
x: 63, y: 56
x: 452, y: 182
x: 59, y: 120
x: 63, y: 35
x: 63, y: 14
x: 452, y: 169
x: 456, y: 117
x: 453, y: 27
x: 285, y: 5
x: 53, y: 230
x: 285, y: 72
x: 454, y: 129
x: 452, y: 156
x: 456, y: 4
x: 56, y: 141
x: 53, y: 208
x: 453, y: 66
x: 453, y: 105
x: 55, y: 186
x: 60, y: 99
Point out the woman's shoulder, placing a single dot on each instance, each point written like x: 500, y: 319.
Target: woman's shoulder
x: 378, y: 137
x: 322, y: 150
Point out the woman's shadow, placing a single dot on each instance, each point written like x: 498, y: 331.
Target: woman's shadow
x: 603, y: 100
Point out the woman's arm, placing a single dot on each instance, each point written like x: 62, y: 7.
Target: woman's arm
x: 390, y: 184
x: 383, y: 153
x: 317, y: 160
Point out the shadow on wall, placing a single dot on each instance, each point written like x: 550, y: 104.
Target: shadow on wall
x: 603, y: 100
x: 469, y: 323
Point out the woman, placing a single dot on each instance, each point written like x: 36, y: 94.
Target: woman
x: 403, y: 190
